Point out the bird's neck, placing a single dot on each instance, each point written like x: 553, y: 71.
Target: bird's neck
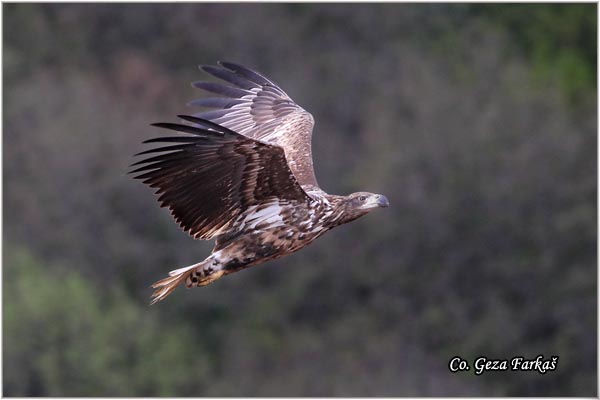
x: 338, y: 212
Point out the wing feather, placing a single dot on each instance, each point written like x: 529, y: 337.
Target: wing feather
x: 231, y: 77
x: 256, y: 107
x: 216, y: 102
x: 221, y: 89
x: 214, y: 175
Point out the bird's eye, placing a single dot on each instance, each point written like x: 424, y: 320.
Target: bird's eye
x: 362, y: 198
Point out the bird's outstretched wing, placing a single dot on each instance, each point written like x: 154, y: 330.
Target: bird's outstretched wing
x: 210, y: 177
x: 257, y: 108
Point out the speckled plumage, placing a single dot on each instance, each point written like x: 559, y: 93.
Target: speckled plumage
x: 243, y: 174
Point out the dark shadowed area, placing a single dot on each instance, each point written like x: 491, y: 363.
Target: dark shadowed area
x: 477, y: 121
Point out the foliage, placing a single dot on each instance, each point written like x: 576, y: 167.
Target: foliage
x: 558, y: 39
x: 488, y: 248
x: 67, y: 336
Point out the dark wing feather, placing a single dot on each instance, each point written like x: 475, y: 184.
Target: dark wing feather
x: 257, y: 108
x: 210, y: 178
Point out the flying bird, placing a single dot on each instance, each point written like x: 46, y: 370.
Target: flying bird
x: 243, y: 174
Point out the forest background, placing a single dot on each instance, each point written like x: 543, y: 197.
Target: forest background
x: 478, y: 121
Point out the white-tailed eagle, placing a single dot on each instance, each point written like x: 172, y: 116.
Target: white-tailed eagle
x: 243, y: 174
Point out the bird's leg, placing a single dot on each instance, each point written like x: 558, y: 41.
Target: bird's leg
x: 200, y: 274
x: 206, y: 273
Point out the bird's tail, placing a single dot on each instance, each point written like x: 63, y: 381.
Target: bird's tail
x: 200, y: 274
x: 164, y: 287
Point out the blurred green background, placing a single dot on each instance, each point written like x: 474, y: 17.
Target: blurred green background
x: 477, y: 121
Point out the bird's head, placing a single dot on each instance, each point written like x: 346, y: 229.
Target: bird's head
x: 360, y: 203
x: 367, y: 201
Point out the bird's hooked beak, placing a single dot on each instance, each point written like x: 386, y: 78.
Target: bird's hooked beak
x: 377, y: 200
x: 382, y: 201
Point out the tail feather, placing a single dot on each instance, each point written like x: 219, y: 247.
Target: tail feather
x: 194, y: 275
x: 182, y: 270
x: 165, y: 287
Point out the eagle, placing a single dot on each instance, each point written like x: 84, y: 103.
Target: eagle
x: 242, y: 174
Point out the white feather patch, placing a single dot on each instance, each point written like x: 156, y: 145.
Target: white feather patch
x: 270, y: 215
x: 184, y: 269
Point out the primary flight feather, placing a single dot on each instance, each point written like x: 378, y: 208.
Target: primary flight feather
x: 243, y: 174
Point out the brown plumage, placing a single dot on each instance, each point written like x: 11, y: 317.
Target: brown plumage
x: 243, y: 174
